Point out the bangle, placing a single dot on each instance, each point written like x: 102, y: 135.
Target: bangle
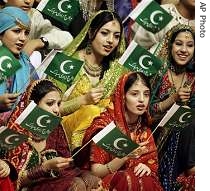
x: 109, y: 169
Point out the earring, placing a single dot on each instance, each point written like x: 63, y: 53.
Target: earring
x: 88, y: 48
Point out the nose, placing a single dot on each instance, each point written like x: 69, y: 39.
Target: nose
x: 23, y: 36
x: 110, y: 38
x: 184, y: 48
x: 141, y: 97
x: 27, y: 1
x: 56, y: 110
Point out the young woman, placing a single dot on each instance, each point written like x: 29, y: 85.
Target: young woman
x: 130, y: 114
x: 175, y: 84
x: 99, y: 45
x: 14, y: 31
x: 46, y: 164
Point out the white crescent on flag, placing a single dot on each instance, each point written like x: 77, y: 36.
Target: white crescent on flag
x: 62, y: 66
x: 187, y: 115
x: 152, y: 16
x: 141, y: 59
x: 60, y: 5
x: 2, y: 59
x: 117, y: 141
x: 7, y: 140
x: 39, y: 120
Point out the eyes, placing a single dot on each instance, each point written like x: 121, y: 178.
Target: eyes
x: 19, y: 30
x: 189, y: 44
x: 106, y: 33
x: 50, y: 103
x: 137, y: 93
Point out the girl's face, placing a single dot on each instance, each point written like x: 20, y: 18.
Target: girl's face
x: 51, y: 102
x: 26, y: 5
x: 107, y: 38
x: 183, y: 48
x: 15, y: 38
x: 137, y: 99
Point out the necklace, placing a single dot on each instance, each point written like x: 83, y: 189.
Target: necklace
x: 174, y: 88
x: 92, y: 69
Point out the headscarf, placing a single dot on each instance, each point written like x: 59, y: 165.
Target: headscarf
x: 12, y: 16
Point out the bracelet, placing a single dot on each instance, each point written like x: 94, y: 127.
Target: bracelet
x: 109, y: 169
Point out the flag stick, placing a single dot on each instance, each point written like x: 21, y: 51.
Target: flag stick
x: 81, y: 148
x: 155, y: 129
x: 125, y: 19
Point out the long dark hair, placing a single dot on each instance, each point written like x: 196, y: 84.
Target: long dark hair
x: 100, y: 20
x: 190, y: 67
x: 41, y: 89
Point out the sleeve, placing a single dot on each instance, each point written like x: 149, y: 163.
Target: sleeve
x: 41, y: 27
x: 57, y: 141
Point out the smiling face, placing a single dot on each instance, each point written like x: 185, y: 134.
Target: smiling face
x: 26, y: 5
x: 15, y: 38
x: 51, y: 102
x: 136, y: 100
x: 183, y: 48
x: 107, y: 38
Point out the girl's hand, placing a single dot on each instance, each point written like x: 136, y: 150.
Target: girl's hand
x: 94, y: 95
x: 57, y: 163
x: 184, y: 94
x: 7, y: 100
x: 142, y: 169
x: 4, y: 169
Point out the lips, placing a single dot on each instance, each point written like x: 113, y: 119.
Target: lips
x: 108, y: 48
x: 19, y: 46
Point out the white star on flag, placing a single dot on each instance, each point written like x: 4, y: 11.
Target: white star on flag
x: 71, y: 67
x: 9, y: 65
x: 69, y: 7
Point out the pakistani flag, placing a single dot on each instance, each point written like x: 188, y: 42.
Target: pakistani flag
x: 139, y: 59
x: 177, y: 117
x: 37, y: 120
x: 151, y: 16
x: 63, y: 68
x: 59, y: 12
x: 10, y: 139
x: 8, y: 64
x: 114, y: 141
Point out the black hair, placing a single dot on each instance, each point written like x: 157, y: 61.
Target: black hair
x: 190, y: 67
x: 135, y: 76
x: 41, y: 89
x: 100, y: 20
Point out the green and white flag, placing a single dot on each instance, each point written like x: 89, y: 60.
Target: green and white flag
x: 8, y: 64
x: 114, y: 141
x: 177, y: 117
x: 62, y: 67
x: 151, y: 16
x: 10, y: 139
x: 139, y: 59
x: 37, y: 120
x: 59, y: 12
